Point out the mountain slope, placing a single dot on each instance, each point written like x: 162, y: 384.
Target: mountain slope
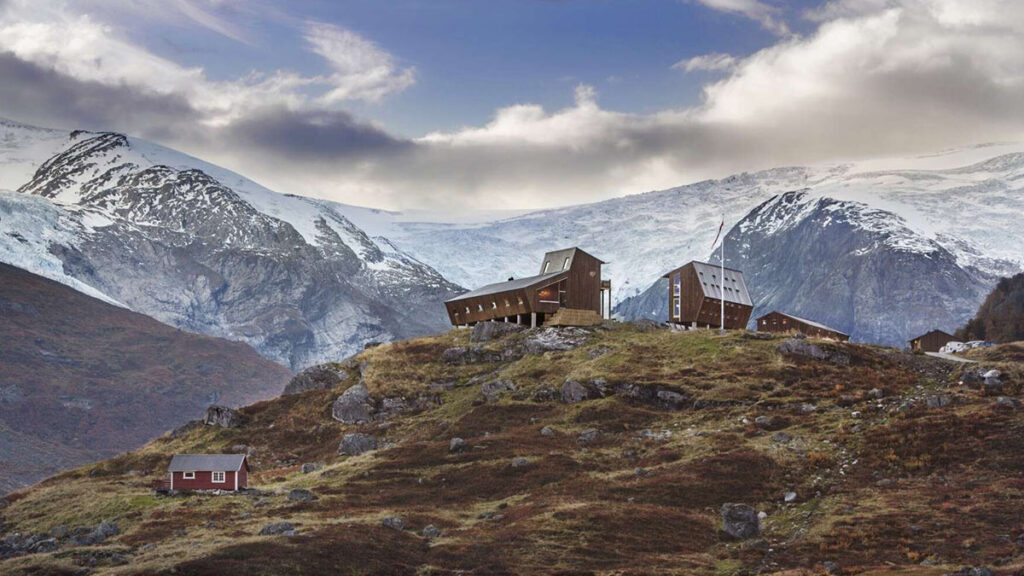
x: 611, y: 451
x: 1001, y: 316
x: 163, y: 234
x: 83, y: 380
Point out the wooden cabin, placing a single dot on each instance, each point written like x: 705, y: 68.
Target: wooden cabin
x: 568, y: 291
x: 931, y: 341
x: 209, y: 472
x: 782, y: 323
x: 695, y: 294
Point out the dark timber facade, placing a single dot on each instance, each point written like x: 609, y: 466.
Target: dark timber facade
x: 782, y: 323
x: 695, y: 293
x: 569, y: 282
x: 931, y: 342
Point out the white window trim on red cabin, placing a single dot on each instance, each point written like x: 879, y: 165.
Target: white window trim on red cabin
x: 188, y: 475
x: 223, y: 477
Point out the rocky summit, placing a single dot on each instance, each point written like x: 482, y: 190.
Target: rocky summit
x: 624, y: 449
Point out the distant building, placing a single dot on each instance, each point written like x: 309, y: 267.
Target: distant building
x: 780, y: 322
x: 931, y: 341
x: 209, y: 472
x: 695, y: 294
x: 567, y: 291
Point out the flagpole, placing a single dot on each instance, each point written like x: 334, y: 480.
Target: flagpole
x: 722, y: 279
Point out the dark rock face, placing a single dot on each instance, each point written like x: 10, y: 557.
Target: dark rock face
x: 740, y: 521
x: 356, y: 444
x: 393, y: 523
x: 487, y: 331
x: 222, y: 416
x: 184, y: 248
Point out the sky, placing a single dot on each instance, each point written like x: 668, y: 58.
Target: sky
x: 462, y: 105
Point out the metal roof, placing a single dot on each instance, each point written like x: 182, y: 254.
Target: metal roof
x: 206, y: 462
x: 508, y: 286
x: 736, y: 289
x: 929, y: 333
x: 808, y: 322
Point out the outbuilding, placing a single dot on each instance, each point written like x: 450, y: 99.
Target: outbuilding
x: 696, y: 292
x: 931, y: 341
x: 782, y: 323
x: 209, y: 472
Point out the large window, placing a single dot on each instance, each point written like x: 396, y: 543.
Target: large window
x: 218, y: 477
x: 677, y: 283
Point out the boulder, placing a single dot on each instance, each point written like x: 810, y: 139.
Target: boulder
x: 938, y: 401
x: 493, y: 389
x: 310, y: 467
x: 789, y: 497
x: 781, y: 437
x: 573, y: 392
x: 475, y: 355
x: 487, y: 331
x: 222, y: 416
x: 430, y: 531
x: 1007, y: 402
x: 803, y: 348
x: 457, y: 445
x: 301, y: 495
x: 555, y: 339
x: 356, y: 444
x: 993, y: 382
x: 106, y: 529
x: 322, y: 377
x: 353, y: 406
x: 972, y: 571
x: 547, y: 431
x: 393, y: 523
x: 520, y: 462
x: 278, y: 529
x: 588, y: 436
x: 740, y: 521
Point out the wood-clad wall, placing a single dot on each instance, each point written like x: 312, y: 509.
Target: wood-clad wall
x: 696, y: 307
x: 777, y: 322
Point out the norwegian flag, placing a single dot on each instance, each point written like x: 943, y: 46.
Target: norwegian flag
x: 717, y: 236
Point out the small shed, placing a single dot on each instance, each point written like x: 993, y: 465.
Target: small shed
x: 781, y: 323
x: 209, y: 472
x: 931, y: 341
x: 696, y: 291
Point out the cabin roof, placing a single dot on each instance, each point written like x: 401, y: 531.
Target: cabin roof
x: 930, y: 332
x: 557, y: 259
x: 736, y: 291
x: 499, y: 287
x: 206, y: 462
x: 806, y: 321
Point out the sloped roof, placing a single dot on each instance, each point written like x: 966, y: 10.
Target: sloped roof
x: 510, y: 285
x: 808, y: 322
x: 708, y: 274
x: 930, y: 332
x: 557, y: 259
x: 206, y: 462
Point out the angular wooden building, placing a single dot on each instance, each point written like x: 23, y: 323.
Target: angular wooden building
x: 782, y: 323
x: 568, y: 291
x: 931, y: 341
x: 695, y: 294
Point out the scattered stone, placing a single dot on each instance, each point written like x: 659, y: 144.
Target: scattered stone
x: 547, y: 431
x: 278, y: 529
x: 475, y: 355
x: 486, y: 331
x: 493, y: 389
x: 520, y: 462
x: 1007, y: 402
x: 322, y: 377
x: 781, y: 437
x: 972, y: 571
x: 545, y: 394
x: 740, y: 521
x: 789, y: 497
x: 573, y: 392
x: 393, y: 523
x: 430, y: 531
x: 59, y: 531
x: 802, y: 347
x: 222, y: 416
x: 148, y: 547
x: 831, y: 567
x: 301, y: 495
x: 457, y: 445
x: 356, y: 444
x: 876, y: 393
x: 763, y: 421
x: 45, y: 546
x: 588, y: 436
x: 640, y: 472
x: 660, y: 436
x: 310, y: 467
x: 598, y: 351
x: 353, y: 406
x: 939, y: 401
x: 993, y: 382
x: 554, y: 339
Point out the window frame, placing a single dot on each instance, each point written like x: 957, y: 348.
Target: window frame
x: 223, y: 477
x: 188, y: 475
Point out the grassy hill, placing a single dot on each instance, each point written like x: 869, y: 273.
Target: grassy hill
x: 613, y: 455
x: 82, y: 380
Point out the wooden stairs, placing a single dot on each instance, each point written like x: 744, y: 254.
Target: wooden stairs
x: 574, y: 317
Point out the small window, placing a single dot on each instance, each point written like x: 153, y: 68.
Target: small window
x: 565, y: 265
x: 188, y: 475
x: 507, y: 303
x: 547, y: 266
x: 520, y: 299
x: 675, y: 307
x: 678, y: 284
x: 467, y: 309
x: 218, y: 477
x: 480, y: 307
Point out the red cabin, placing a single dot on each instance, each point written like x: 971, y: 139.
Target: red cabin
x: 209, y: 472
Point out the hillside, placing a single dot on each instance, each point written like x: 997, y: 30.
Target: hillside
x: 82, y: 380
x: 1001, y: 316
x: 609, y: 451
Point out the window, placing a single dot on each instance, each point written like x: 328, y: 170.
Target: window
x: 507, y: 303
x: 677, y: 282
x: 565, y: 265
x: 675, y: 307
x: 547, y: 266
x: 494, y: 305
x: 479, y: 307
x: 188, y: 475
x: 520, y: 300
x: 218, y: 477
x: 467, y: 309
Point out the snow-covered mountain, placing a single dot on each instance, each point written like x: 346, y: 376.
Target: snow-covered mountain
x: 205, y: 249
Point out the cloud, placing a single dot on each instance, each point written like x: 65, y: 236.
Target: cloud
x: 715, y: 62
x: 362, y: 70
x: 765, y: 14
